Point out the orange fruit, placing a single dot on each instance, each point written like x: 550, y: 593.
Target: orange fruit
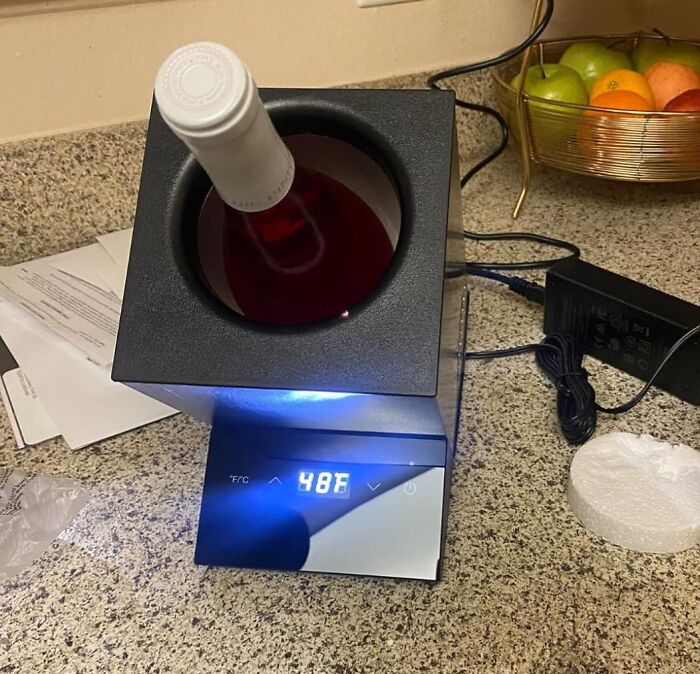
x: 668, y: 80
x: 607, y: 141
x: 622, y: 99
x: 623, y: 80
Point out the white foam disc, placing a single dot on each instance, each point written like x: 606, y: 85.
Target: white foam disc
x: 637, y: 492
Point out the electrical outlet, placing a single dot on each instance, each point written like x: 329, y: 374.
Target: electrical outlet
x: 376, y: 3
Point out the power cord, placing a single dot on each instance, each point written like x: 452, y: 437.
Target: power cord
x: 527, y: 289
x: 433, y: 82
x: 558, y: 356
x: 626, y: 407
x: 561, y: 361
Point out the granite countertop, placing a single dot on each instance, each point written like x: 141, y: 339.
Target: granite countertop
x: 525, y: 588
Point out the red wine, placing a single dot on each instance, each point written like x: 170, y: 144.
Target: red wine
x: 278, y: 243
x: 308, y: 258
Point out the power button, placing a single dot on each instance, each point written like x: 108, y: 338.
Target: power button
x: 409, y: 488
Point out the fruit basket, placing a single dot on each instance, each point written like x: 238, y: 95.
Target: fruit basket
x: 607, y: 142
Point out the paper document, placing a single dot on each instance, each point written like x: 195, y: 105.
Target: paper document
x: 80, y: 397
x: 66, y: 293
x: 115, y: 279
x: 30, y: 422
x: 86, y: 263
x: 117, y: 244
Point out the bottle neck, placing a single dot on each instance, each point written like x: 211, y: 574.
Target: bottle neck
x: 208, y: 98
x: 252, y: 170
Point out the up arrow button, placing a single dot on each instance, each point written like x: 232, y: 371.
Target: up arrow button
x: 275, y: 480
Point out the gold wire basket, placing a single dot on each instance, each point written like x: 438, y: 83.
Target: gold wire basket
x: 606, y: 143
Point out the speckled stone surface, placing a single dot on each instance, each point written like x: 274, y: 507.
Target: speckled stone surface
x: 526, y: 590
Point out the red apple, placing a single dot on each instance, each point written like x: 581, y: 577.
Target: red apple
x: 688, y: 101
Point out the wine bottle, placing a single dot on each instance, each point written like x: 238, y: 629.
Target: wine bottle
x: 278, y: 242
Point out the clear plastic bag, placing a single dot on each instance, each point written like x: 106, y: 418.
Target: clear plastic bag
x: 34, y: 509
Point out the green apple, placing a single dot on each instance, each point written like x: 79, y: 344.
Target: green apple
x: 592, y: 60
x: 552, y: 124
x: 650, y: 52
x: 555, y: 83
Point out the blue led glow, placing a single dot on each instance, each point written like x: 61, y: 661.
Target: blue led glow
x: 329, y: 483
x: 285, y: 408
x: 317, y: 396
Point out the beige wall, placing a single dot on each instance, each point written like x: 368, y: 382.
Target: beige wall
x: 84, y: 68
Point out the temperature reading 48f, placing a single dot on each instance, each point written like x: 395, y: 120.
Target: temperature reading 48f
x: 324, y: 483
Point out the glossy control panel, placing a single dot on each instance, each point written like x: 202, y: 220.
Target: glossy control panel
x: 318, y: 501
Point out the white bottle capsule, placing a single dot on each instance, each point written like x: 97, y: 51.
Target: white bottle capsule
x: 208, y: 98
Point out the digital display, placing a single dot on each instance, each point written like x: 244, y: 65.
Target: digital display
x: 325, y: 483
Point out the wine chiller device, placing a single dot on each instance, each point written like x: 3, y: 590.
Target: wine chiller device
x: 332, y: 444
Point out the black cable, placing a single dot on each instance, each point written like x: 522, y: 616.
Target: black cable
x: 576, y: 406
x: 528, y: 289
x: 497, y: 60
x: 503, y: 353
x: 626, y: 407
x: 505, y: 134
x: 433, y: 82
x: 561, y: 360
x: 556, y: 354
x: 523, y: 236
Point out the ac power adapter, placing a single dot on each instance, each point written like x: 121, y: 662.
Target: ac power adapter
x: 626, y: 324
